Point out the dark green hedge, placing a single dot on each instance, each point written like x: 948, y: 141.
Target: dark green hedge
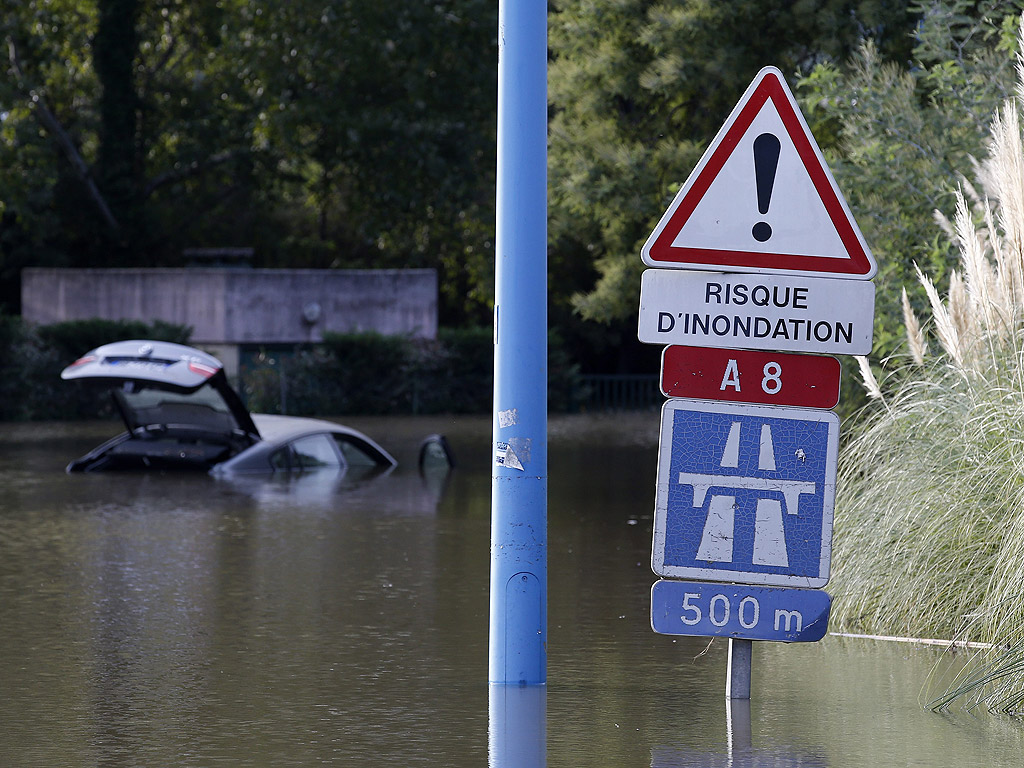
x: 31, y: 359
x: 71, y: 339
x: 372, y: 374
x: 346, y: 374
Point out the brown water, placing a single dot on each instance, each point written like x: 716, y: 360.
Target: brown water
x: 150, y: 620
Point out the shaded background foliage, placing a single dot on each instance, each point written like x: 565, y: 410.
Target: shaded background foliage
x: 330, y: 133
x: 367, y: 373
x: 31, y: 359
x: 340, y: 133
x: 360, y: 373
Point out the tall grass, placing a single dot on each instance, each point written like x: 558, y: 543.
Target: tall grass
x: 929, y: 537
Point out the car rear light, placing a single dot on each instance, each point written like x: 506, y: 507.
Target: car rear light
x: 83, y: 361
x: 201, y: 369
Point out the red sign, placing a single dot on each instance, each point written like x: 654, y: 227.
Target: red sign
x: 750, y: 376
x: 762, y: 199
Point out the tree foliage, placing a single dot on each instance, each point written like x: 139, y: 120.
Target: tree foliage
x: 640, y: 86
x: 334, y: 133
x: 340, y: 133
x: 900, y: 139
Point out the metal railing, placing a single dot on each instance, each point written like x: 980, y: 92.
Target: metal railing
x: 621, y: 392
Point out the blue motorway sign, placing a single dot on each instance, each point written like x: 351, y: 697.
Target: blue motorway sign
x: 745, y: 493
x: 739, y: 610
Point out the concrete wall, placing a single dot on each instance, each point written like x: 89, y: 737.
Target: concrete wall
x: 229, y: 307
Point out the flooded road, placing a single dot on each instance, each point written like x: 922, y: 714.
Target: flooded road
x: 169, y: 620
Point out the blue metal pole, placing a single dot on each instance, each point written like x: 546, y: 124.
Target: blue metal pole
x: 518, y: 597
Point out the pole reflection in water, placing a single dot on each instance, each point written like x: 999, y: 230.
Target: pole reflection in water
x: 738, y: 730
x: 517, y: 726
x: 739, y: 752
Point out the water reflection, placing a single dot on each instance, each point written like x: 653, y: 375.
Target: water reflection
x: 152, y: 620
x: 739, y: 749
x: 517, y: 726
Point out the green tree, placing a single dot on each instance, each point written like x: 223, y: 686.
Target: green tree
x: 384, y: 117
x: 639, y: 87
x: 46, y: 74
x: 898, y: 139
x: 101, y: 122
x: 334, y: 133
x: 115, y: 52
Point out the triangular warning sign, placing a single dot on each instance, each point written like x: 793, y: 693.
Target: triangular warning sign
x: 762, y: 199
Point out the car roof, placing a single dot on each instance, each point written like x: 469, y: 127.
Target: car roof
x: 275, y: 428
x: 278, y: 430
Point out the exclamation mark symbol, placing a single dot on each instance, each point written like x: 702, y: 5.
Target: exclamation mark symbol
x: 766, y: 161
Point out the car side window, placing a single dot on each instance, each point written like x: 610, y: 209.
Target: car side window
x: 314, y: 452
x: 281, y: 459
x: 354, y: 454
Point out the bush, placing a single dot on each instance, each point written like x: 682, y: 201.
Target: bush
x: 352, y: 373
x: 369, y: 373
x: 456, y: 374
x: 930, y: 521
x: 33, y: 357
x: 372, y: 374
x: 16, y: 360
x: 73, y: 338
x: 365, y: 373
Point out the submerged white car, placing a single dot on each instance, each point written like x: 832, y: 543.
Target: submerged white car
x: 180, y: 412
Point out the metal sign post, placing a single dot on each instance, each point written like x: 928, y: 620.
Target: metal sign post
x: 746, y: 483
x: 737, y: 676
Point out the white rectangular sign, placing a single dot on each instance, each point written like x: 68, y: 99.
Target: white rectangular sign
x: 747, y: 311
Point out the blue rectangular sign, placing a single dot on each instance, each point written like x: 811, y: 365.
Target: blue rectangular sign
x: 737, y: 610
x: 745, y: 493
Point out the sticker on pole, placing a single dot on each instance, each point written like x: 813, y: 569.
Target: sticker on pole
x: 762, y: 199
x: 745, y: 493
x: 505, y: 456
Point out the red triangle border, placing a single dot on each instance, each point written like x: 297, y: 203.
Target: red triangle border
x: 662, y: 253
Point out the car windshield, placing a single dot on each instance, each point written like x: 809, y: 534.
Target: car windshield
x: 203, y: 409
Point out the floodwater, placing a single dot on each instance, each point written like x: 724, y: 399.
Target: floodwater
x: 169, y: 620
